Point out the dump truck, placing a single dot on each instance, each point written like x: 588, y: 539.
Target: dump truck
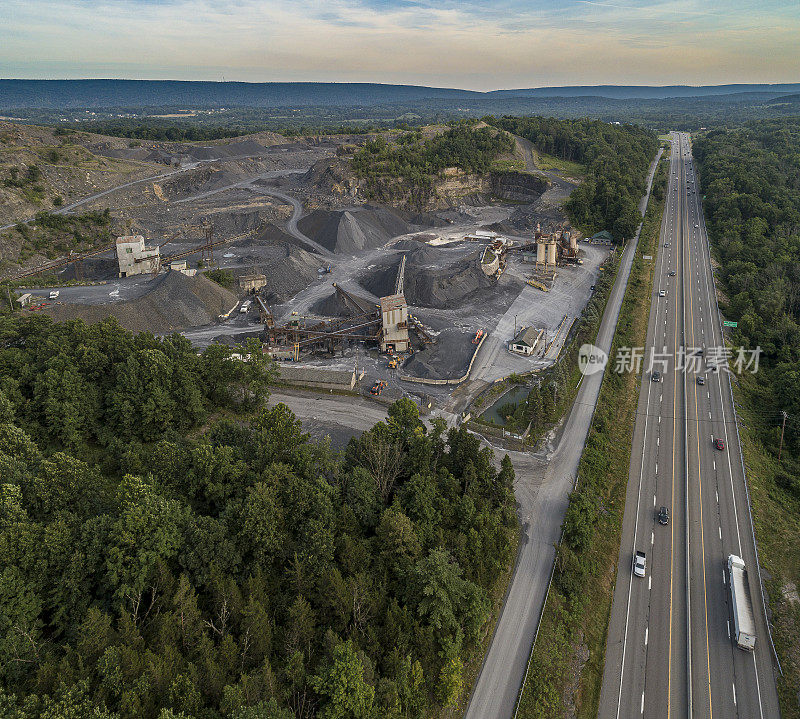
x: 744, y: 625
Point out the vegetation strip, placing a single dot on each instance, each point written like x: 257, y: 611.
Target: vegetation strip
x: 566, y: 666
x: 751, y: 180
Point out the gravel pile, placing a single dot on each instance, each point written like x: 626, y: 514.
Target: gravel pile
x: 332, y: 306
x: 352, y: 230
x: 449, y: 358
x: 432, y: 279
x: 94, y: 268
x: 203, y: 179
x: 288, y: 269
x: 175, y: 302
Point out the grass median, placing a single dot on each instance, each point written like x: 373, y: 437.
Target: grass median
x: 565, y: 673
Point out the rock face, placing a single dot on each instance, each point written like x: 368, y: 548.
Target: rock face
x: 518, y: 186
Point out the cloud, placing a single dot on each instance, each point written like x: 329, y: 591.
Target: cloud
x: 480, y: 45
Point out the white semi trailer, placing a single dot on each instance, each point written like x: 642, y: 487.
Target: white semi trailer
x: 744, y: 625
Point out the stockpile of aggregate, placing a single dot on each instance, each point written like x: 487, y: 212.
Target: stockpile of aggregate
x: 448, y: 358
x: 202, y: 179
x: 352, y: 230
x: 333, y: 306
x: 92, y: 268
x: 431, y: 280
x: 175, y: 302
x: 288, y: 269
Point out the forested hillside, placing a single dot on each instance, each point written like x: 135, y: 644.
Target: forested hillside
x: 171, y: 548
x: 616, y: 157
x: 416, y: 162
x: 751, y: 180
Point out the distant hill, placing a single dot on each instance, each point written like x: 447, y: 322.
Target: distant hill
x: 649, y: 92
x: 66, y: 94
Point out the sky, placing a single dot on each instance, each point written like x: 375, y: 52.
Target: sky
x: 469, y: 44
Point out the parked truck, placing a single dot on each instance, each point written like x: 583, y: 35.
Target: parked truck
x: 744, y: 625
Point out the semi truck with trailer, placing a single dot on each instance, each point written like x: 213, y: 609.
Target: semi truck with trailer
x: 744, y: 625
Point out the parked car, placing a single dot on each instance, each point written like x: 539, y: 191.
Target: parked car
x: 663, y: 516
x: 639, y: 563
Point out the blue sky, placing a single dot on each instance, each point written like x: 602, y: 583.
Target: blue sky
x: 471, y: 44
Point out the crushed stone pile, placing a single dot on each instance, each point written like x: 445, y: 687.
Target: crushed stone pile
x: 332, y: 306
x: 174, y: 303
x: 449, y: 358
x: 353, y: 230
x: 287, y: 268
x: 203, y: 179
x: 431, y: 280
x: 93, y: 268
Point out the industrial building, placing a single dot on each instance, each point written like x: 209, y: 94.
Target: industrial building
x: 135, y: 258
x: 394, y: 324
x: 252, y: 283
x: 526, y: 341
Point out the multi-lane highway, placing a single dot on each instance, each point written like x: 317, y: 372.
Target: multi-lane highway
x: 669, y: 651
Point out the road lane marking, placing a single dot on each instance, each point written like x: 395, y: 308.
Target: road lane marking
x: 642, y: 712
x: 734, y: 694
x: 652, y: 537
x: 646, y: 633
x: 649, y: 583
x: 720, y: 535
x: 728, y: 622
x: 654, y: 500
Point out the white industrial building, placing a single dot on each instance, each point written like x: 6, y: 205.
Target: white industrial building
x: 526, y: 341
x: 394, y: 315
x: 135, y: 258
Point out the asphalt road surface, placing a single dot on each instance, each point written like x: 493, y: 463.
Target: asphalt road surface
x: 542, y: 492
x: 670, y: 652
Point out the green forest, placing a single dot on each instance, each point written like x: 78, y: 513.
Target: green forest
x: 751, y: 181
x: 617, y: 158
x: 174, y: 548
x: 750, y: 177
x: 417, y: 161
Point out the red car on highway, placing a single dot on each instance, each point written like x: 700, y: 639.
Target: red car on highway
x: 719, y: 444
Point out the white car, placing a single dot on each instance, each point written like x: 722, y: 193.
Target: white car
x: 639, y: 564
x: 697, y: 226
x: 662, y: 293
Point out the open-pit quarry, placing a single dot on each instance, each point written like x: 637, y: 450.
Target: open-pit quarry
x: 415, y: 302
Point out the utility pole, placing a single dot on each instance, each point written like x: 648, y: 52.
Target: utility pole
x: 783, y: 426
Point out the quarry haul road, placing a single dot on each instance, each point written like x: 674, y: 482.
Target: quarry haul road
x: 542, y: 492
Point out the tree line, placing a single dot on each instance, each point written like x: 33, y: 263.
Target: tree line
x: 173, y: 548
x: 750, y: 177
x: 616, y: 157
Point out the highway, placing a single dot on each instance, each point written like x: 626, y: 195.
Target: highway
x: 542, y: 492
x: 669, y: 650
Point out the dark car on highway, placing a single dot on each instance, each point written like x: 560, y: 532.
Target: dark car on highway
x: 701, y: 380
x: 663, y: 516
x: 656, y: 376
